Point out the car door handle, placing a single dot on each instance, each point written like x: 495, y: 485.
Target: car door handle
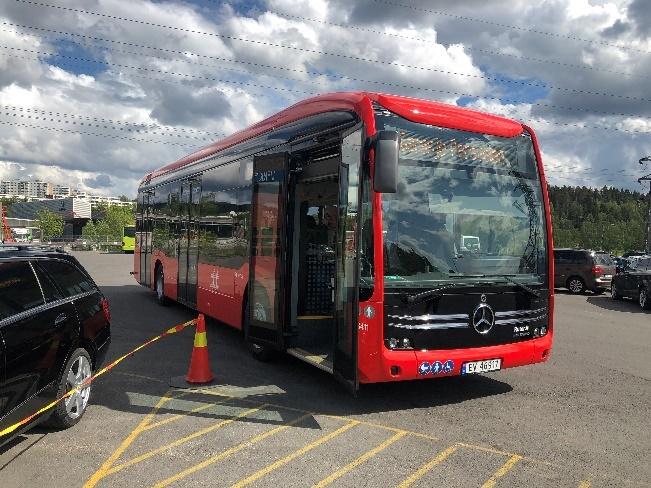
x: 60, y: 319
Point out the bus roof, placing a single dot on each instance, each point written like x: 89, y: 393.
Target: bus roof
x: 416, y: 110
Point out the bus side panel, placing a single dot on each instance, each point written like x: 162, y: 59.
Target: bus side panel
x: 215, y: 294
x: 136, y: 264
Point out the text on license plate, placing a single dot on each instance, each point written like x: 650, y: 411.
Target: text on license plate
x: 481, y: 366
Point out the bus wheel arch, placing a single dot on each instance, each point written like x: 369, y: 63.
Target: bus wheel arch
x: 159, y: 283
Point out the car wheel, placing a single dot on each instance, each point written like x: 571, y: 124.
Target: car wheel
x: 614, y: 293
x: 77, y: 371
x: 576, y: 285
x: 160, y: 286
x: 261, y: 352
x: 644, y: 299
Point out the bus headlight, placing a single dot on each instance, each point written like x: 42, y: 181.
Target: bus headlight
x: 393, y: 343
x: 543, y: 331
x: 406, y: 343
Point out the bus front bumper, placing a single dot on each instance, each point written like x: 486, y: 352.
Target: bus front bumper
x: 413, y: 365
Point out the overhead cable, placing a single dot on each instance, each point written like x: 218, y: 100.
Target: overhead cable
x: 339, y: 55
x: 187, y: 54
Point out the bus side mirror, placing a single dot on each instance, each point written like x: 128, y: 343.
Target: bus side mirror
x: 387, y: 150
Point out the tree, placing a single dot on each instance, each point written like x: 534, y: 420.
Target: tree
x: 111, y: 224
x: 607, y: 219
x: 50, y: 223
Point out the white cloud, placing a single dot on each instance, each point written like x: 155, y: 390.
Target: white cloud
x: 454, y: 56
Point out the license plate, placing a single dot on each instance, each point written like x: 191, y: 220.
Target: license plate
x: 481, y: 366
x: 608, y: 276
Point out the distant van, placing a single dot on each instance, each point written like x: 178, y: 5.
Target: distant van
x: 469, y: 243
x: 22, y: 235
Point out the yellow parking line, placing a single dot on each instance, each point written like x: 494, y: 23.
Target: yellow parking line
x: 182, y: 440
x: 505, y: 468
x: 332, y: 416
x: 361, y: 459
x: 488, y: 449
x: 174, y: 418
x: 230, y: 451
x: 104, y: 469
x: 585, y: 484
x: 442, y: 456
x: 139, y: 376
x: 281, y: 462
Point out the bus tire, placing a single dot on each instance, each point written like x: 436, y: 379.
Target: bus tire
x: 159, y: 286
x: 259, y: 351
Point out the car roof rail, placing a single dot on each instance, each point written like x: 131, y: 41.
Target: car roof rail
x: 19, y: 246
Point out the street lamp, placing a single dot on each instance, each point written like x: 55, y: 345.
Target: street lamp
x: 647, y: 238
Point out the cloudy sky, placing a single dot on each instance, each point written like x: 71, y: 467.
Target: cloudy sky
x: 95, y: 93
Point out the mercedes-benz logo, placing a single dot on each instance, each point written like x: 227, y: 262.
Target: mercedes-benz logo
x: 483, y: 318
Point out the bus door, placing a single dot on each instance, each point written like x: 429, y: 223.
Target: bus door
x: 268, y: 257
x: 188, y: 238
x: 346, y: 286
x: 144, y: 237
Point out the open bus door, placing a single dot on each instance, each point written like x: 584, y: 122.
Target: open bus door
x: 347, y: 271
x: 268, y: 258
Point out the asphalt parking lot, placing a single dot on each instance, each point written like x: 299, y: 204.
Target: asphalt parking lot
x: 582, y: 419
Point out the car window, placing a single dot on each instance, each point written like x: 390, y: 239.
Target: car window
x: 19, y: 290
x: 578, y: 257
x: 68, y: 277
x: 603, y: 259
x: 560, y: 256
x: 50, y: 291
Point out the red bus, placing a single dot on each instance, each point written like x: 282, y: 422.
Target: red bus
x: 377, y: 237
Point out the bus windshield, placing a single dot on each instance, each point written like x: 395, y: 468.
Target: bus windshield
x: 129, y: 231
x: 468, y: 208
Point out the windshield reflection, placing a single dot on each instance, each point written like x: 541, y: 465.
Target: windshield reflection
x: 468, y: 206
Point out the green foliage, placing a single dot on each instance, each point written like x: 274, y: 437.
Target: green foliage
x: 50, y: 223
x: 608, y: 219
x: 7, y: 202
x: 113, y: 220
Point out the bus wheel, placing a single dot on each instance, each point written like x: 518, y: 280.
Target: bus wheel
x: 160, y: 282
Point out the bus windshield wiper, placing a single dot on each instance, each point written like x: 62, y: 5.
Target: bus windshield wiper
x: 431, y: 293
x: 520, y: 285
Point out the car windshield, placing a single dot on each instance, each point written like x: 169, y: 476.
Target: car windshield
x: 468, y: 206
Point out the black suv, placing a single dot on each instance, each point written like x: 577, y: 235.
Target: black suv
x: 634, y: 282
x: 579, y: 270
x: 54, y: 332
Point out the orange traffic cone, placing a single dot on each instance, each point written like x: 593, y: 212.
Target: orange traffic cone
x: 199, y: 371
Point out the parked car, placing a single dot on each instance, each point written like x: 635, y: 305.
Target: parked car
x: 634, y: 282
x: 632, y: 254
x: 81, y: 245
x: 54, y: 332
x: 579, y: 270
